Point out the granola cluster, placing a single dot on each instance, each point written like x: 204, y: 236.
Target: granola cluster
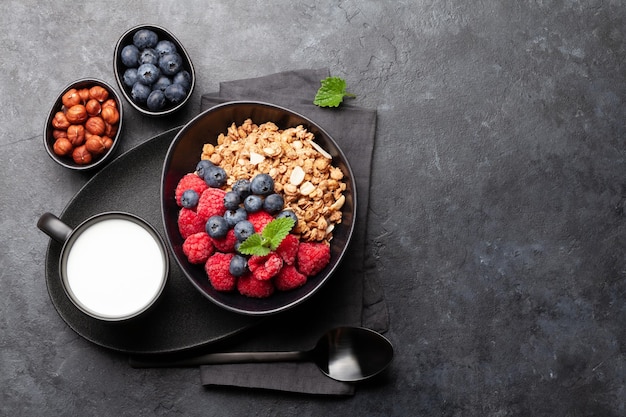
x: 302, y: 171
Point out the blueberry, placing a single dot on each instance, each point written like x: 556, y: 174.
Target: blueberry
x: 170, y: 64
x: 231, y: 200
x: 165, y: 47
x: 140, y: 92
x: 273, y: 203
x: 175, y: 93
x: 183, y: 78
x: 156, y: 100
x: 235, y: 216
x: 238, y: 266
x: 243, y: 230
x: 162, y: 83
x: 203, y: 166
x: 189, y: 199
x: 130, y: 77
x: 147, y: 74
x: 242, y: 187
x: 262, y: 184
x: 253, y: 203
x: 145, y: 38
x: 130, y: 55
x: 217, y: 227
x: 148, y: 56
x: 290, y: 214
x: 215, y: 176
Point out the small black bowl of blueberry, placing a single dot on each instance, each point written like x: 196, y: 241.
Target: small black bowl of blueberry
x: 153, y: 70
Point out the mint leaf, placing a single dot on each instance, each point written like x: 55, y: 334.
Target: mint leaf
x: 269, y: 239
x: 331, y: 93
x: 253, y: 245
x: 276, y: 230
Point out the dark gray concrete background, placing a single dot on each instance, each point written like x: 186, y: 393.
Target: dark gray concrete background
x: 497, y: 207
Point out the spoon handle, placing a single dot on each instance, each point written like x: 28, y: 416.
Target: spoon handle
x: 222, y: 358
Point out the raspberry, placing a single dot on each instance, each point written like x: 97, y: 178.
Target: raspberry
x: 249, y: 286
x: 217, y: 268
x: 288, y: 249
x: 265, y: 267
x: 312, y: 257
x: 259, y: 219
x: 198, y: 247
x: 189, y: 223
x: 225, y: 244
x: 190, y: 182
x: 211, y: 203
x: 289, y: 278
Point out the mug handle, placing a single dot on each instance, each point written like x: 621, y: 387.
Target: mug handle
x: 54, y: 227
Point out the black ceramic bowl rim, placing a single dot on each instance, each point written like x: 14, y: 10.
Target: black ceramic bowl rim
x: 48, y: 139
x: 119, y: 68
x: 191, y: 145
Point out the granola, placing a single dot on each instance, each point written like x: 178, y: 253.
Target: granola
x: 302, y: 171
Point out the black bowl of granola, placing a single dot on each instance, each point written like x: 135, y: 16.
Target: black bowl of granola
x: 245, y: 139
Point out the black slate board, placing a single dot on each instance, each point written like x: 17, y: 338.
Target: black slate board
x: 183, y: 319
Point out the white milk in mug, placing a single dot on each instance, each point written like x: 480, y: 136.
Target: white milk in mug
x: 115, y: 268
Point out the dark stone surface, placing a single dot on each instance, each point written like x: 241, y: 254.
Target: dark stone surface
x: 497, y: 206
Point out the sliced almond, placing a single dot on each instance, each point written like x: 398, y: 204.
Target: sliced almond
x: 272, y: 150
x: 256, y: 158
x: 297, y: 175
x: 320, y: 150
x: 339, y: 203
x: 307, y: 188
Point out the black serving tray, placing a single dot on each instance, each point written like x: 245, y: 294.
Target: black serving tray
x: 182, y: 319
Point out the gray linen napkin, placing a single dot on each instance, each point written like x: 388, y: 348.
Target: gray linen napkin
x: 352, y: 296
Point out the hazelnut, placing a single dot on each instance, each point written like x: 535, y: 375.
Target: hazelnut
x: 110, y: 115
x: 95, y: 125
x: 108, y: 142
x: 99, y: 93
x: 81, y: 155
x: 62, y: 147
x: 96, y: 145
x: 76, y: 134
x: 59, y: 133
x: 93, y: 107
x: 110, y: 130
x: 60, y: 121
x: 76, y: 114
x: 110, y: 103
x: 84, y: 95
x: 70, y: 98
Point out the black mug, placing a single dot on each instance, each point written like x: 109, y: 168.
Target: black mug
x: 113, y: 265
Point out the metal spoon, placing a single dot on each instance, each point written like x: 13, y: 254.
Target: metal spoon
x: 347, y: 354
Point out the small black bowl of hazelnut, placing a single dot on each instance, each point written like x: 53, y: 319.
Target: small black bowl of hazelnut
x: 82, y: 131
x: 153, y: 70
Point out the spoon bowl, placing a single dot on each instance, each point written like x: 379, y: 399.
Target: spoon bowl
x: 347, y: 354
x: 352, y: 353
